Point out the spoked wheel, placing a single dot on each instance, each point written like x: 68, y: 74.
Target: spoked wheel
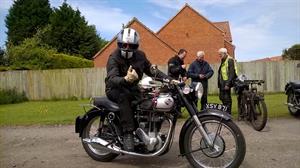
x: 229, y: 144
x: 292, y: 100
x: 259, y: 114
x: 97, y: 127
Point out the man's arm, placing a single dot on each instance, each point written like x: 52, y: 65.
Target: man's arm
x: 113, y: 73
x: 209, y: 73
x: 173, y: 67
x: 157, y: 73
x: 191, y: 72
x: 231, y: 72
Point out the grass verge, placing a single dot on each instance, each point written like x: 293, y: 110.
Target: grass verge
x: 65, y: 111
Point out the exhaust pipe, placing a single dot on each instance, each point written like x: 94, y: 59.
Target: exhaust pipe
x: 293, y: 106
x: 116, y: 149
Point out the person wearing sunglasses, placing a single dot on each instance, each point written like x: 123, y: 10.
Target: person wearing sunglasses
x: 125, y: 68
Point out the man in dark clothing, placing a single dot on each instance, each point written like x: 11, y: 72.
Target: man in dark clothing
x: 226, y: 76
x: 200, y: 71
x: 176, y: 67
x: 125, y: 67
x: 176, y: 70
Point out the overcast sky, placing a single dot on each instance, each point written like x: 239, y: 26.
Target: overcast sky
x: 259, y: 28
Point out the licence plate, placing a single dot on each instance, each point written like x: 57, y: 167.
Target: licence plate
x: 217, y: 107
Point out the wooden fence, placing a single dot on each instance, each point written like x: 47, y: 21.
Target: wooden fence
x: 87, y: 82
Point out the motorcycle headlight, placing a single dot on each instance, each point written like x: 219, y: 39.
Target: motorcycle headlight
x: 186, y: 90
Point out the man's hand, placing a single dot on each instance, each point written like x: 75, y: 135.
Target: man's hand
x: 226, y: 87
x: 201, y: 76
x: 131, y: 75
x: 183, y: 66
x: 184, y: 79
x: 175, y: 82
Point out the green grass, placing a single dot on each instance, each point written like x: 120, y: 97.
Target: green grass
x: 65, y: 112
x: 275, y: 105
x: 41, y: 112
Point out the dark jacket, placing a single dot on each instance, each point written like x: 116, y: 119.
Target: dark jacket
x: 117, y: 67
x: 231, y: 74
x: 197, y: 68
x: 174, y: 67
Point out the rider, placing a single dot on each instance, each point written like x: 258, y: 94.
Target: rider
x: 125, y: 68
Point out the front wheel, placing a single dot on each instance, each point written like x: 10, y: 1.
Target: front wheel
x: 98, y: 127
x: 259, y: 114
x: 229, y: 144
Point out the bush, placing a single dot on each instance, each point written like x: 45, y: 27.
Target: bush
x: 12, y: 96
x: 31, y: 54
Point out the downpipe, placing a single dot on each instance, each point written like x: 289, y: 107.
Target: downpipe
x: 116, y: 149
x: 292, y: 105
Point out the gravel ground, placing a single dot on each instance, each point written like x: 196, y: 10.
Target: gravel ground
x: 278, y: 145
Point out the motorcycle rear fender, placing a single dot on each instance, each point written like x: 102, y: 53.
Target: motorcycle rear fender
x: 203, y: 113
x: 287, y: 88
x: 82, y: 121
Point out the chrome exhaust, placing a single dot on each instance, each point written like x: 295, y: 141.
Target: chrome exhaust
x: 293, y: 106
x: 116, y: 149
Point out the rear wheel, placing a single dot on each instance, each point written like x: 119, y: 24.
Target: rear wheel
x: 259, y: 114
x: 229, y: 144
x: 98, y: 127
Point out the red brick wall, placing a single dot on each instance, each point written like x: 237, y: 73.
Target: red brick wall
x: 156, y: 51
x: 191, y: 31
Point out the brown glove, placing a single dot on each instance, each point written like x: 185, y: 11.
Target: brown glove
x: 131, y: 75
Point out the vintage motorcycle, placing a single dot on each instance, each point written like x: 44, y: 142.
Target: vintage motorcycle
x: 292, y: 90
x: 207, y: 139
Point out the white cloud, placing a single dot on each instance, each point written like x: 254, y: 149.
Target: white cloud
x: 160, y: 16
x: 5, y: 4
x: 106, y: 18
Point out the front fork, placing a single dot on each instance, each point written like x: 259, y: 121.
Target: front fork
x: 192, y: 109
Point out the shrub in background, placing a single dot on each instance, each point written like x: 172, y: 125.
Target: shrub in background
x: 12, y: 96
x: 32, y: 54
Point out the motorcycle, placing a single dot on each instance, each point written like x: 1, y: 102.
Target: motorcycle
x: 292, y: 90
x: 207, y: 139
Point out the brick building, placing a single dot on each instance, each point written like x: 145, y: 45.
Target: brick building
x: 187, y: 29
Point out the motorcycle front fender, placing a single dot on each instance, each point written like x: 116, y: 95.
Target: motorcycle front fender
x: 206, y: 112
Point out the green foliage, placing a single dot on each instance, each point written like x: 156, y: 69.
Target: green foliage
x: 25, y: 17
x: 70, y: 33
x: 3, y: 58
x: 292, y: 53
x: 11, y: 96
x: 32, y: 55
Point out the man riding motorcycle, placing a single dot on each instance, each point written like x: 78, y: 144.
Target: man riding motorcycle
x: 125, y: 68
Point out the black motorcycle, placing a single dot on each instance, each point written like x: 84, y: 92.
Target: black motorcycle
x: 292, y: 90
x: 207, y: 139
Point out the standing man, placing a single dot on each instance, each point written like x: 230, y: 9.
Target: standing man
x: 125, y: 67
x: 176, y: 67
x: 226, y: 76
x: 200, y: 71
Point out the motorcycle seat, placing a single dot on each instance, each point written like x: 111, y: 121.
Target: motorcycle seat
x: 103, y: 101
x: 295, y: 84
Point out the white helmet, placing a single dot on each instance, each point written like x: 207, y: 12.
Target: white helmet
x: 128, y: 42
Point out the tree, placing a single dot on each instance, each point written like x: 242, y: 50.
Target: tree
x: 292, y: 53
x: 2, y: 57
x: 70, y: 33
x: 25, y: 17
